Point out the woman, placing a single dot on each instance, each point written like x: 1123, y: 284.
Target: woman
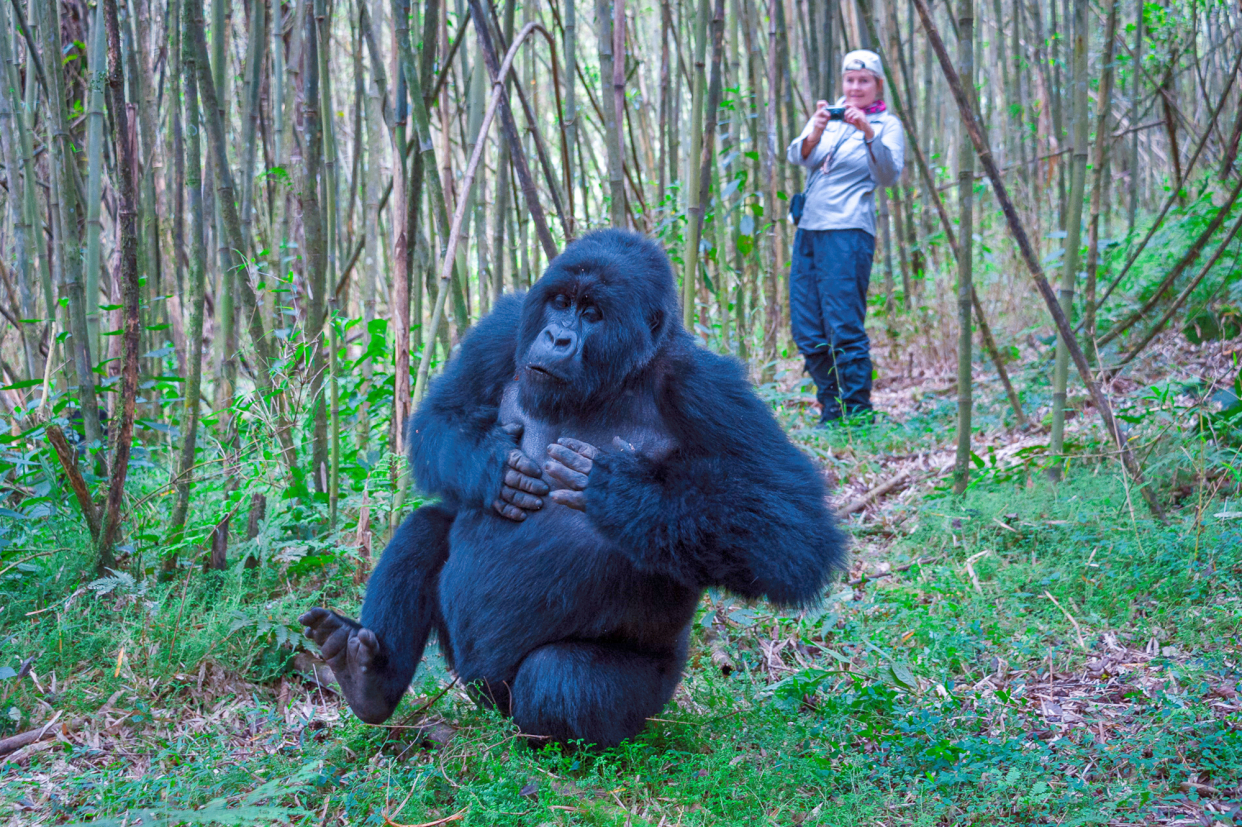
x: 847, y: 156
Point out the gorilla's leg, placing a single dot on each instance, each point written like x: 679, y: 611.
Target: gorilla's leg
x: 586, y: 691
x: 375, y: 659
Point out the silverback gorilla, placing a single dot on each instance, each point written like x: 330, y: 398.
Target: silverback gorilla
x: 596, y: 471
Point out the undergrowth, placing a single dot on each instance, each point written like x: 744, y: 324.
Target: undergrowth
x: 1033, y: 653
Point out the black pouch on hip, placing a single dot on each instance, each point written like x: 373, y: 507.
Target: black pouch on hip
x: 796, y: 205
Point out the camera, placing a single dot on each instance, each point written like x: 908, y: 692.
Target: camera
x: 836, y: 113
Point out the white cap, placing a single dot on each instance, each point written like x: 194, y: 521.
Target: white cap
x: 863, y: 59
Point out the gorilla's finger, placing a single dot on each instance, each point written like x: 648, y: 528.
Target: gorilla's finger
x: 522, y: 463
x: 570, y: 479
x: 621, y: 445
x: 509, y: 512
x: 526, y: 482
x: 573, y: 499
x: 585, y: 448
x: 336, y: 642
x: 520, y: 498
x: 314, y: 617
x: 513, y: 429
x: 570, y: 459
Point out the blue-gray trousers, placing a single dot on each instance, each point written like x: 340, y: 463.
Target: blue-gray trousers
x: 828, y: 305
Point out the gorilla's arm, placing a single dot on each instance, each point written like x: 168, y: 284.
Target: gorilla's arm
x: 736, y: 505
x: 456, y: 448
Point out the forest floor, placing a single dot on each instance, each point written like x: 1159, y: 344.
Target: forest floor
x: 1030, y: 653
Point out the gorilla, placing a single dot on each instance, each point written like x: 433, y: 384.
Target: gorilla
x: 596, y: 471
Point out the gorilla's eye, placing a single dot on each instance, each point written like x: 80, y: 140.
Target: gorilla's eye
x: 560, y: 301
x: 591, y: 313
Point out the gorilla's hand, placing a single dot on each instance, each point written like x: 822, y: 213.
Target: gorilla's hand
x: 570, y: 463
x: 522, y: 490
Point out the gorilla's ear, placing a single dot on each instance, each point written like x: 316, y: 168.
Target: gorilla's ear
x: 655, y: 321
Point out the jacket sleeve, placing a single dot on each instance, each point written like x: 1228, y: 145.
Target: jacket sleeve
x: 457, y: 450
x: 794, y: 152
x: 886, y: 153
x: 735, y: 505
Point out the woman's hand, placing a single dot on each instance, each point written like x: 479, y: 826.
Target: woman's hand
x: 856, y: 118
x: 819, y: 122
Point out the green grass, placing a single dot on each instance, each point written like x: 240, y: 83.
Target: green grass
x: 1055, y: 657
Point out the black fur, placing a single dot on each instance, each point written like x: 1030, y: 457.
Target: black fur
x: 576, y: 622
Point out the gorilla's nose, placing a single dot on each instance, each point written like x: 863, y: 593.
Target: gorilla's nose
x: 560, y: 339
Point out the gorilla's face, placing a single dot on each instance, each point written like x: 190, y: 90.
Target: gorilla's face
x: 596, y: 318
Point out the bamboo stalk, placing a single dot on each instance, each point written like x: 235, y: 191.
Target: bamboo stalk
x: 517, y: 156
x: 964, y: 255
x: 694, y: 207
x: 13, y: 130
x: 1182, y: 297
x: 1176, y: 270
x: 1177, y: 186
x: 933, y: 195
x: 1102, y: 107
x: 1072, y: 220
x: 454, y: 236
x: 68, y: 242
x: 966, y: 112
x: 612, y: 125
x: 197, y: 284
x: 232, y: 230
x: 127, y: 218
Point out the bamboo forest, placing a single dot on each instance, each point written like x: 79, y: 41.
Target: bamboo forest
x: 936, y: 435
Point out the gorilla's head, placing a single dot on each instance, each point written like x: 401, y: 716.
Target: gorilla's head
x: 601, y: 312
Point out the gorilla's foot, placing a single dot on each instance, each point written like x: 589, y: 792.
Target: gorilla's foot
x: 356, y: 658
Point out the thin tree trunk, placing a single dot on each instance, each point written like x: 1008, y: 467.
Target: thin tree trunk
x: 965, y: 111
x: 1103, y: 104
x: 314, y: 251
x: 256, y: 54
x: 232, y: 226
x: 194, y: 336
x: 127, y: 219
x: 63, y: 174
x: 965, y: 257
x: 946, y: 223
x: 94, y: 176
x: 21, y: 201
x: 374, y: 245
x: 571, y: 112
x: 533, y: 207
x: 1073, y: 227
x: 1176, y: 271
x: 1183, y: 296
x: 612, y: 125
x: 694, y: 207
x: 1132, y: 209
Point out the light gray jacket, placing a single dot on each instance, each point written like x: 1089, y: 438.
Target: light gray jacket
x: 845, y: 170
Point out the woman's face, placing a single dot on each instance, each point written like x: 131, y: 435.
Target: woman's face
x: 861, y: 88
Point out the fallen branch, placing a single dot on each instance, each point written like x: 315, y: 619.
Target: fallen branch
x: 457, y: 816
x: 922, y: 561
x: 30, y: 557
x: 31, y: 736
x: 900, y: 481
x: 1082, y: 644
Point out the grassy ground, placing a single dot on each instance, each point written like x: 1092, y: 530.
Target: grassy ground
x: 1029, y: 654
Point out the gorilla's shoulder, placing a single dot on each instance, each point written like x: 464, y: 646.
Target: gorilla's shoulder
x: 493, y: 338
x: 709, y: 396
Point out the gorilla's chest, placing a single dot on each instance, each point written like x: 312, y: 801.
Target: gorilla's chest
x: 638, y: 423
x: 555, y: 556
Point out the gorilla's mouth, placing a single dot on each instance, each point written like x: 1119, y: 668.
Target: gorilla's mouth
x: 541, y: 373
